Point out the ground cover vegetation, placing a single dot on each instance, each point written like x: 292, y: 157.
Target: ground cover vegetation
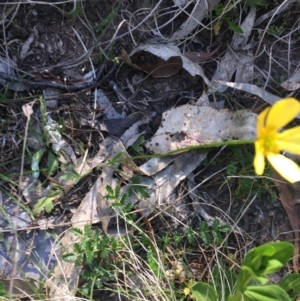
x: 142, y: 150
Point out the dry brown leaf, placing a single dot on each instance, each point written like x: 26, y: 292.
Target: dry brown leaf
x: 161, y: 68
x: 286, y: 193
x: 168, y: 60
x: 198, y: 57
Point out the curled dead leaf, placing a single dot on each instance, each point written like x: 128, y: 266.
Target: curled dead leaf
x: 159, y: 68
x: 168, y: 61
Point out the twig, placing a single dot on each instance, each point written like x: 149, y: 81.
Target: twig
x: 27, y: 110
x: 34, y: 84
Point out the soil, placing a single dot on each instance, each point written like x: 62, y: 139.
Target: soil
x: 54, y: 43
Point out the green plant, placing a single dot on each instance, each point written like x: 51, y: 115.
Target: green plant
x: 221, y: 12
x: 120, y: 201
x: 177, y: 238
x: 46, y: 202
x: 96, y: 252
x: 138, y: 144
x: 51, y: 142
x: 190, y: 235
x: 143, y: 244
x: 227, y: 12
x: 275, y: 30
x: 251, y: 281
x: 102, y: 26
x: 115, y: 160
x: 240, y: 164
x: 152, y: 260
x: 138, y: 189
x: 50, y: 134
x: 3, y: 292
x: 213, y: 234
x: 240, y: 168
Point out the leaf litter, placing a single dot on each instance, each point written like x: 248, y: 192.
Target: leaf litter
x: 181, y: 126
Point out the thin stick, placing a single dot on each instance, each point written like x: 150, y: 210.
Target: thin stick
x: 27, y: 109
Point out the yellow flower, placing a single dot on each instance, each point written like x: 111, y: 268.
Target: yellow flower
x: 270, y: 141
x: 186, y: 291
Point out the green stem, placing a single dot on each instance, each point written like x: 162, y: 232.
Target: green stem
x: 92, y: 287
x: 193, y: 147
x: 236, y: 297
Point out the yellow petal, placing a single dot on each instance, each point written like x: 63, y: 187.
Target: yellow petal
x: 283, y: 112
x: 259, y: 159
x: 293, y: 133
x: 287, y: 168
x: 289, y: 140
x: 261, y: 119
x: 291, y: 147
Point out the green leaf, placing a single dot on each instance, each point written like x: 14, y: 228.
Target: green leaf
x: 124, y: 198
x: 87, y: 230
x: 116, y: 159
x: 291, y: 282
x: 110, y: 191
x: 7, y: 179
x: 204, y: 292
x: 269, y: 257
x: 263, y: 260
x: 224, y: 228
x: 117, y: 191
x: 138, y: 189
x: 204, y: 232
x: 137, y: 145
x: 113, y: 194
x: 77, y: 231
x: 72, y: 175
x: 190, y: 235
x: 69, y: 257
x: 89, y: 257
x: 233, y: 26
x: 152, y: 261
x: 177, y: 237
x: 215, y: 224
x: 265, y: 293
x: 100, y: 27
x: 36, y: 158
x: 46, y: 203
x: 52, y: 163
x: 219, y: 8
x: 232, y: 168
x: 244, y: 277
x: 217, y: 237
